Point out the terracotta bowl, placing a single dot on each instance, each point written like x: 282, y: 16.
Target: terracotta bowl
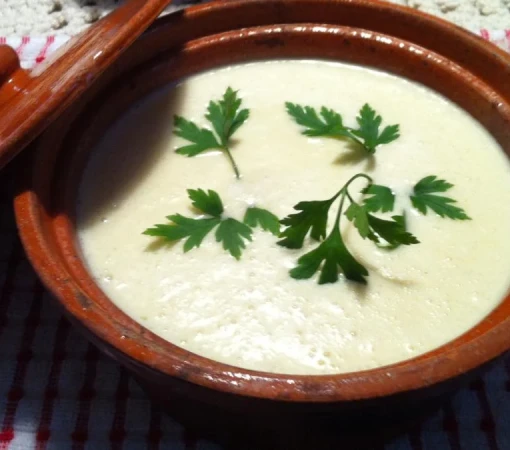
x: 459, y: 65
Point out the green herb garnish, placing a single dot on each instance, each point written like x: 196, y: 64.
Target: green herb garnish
x: 225, y: 118
x: 331, y: 256
x: 262, y: 217
x: 313, y: 217
x: 332, y: 253
x: 381, y: 198
x: 424, y: 197
x: 232, y: 233
x: 329, y: 123
x: 392, y: 231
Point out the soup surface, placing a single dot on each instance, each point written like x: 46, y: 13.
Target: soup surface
x: 251, y: 313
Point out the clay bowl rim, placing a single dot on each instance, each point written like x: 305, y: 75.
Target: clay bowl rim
x: 433, y: 367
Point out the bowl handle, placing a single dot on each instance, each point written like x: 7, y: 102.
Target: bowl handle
x: 30, y: 101
x: 12, y: 77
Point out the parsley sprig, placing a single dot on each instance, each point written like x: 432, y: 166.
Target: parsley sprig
x: 231, y: 233
x: 329, y: 123
x: 332, y: 254
x: 425, y: 197
x: 225, y: 117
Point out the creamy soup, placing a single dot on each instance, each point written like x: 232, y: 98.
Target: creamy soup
x: 251, y: 313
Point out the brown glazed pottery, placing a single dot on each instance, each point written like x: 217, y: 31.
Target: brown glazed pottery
x: 464, y: 68
x: 30, y: 101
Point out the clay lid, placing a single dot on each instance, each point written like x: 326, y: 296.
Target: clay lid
x: 30, y: 101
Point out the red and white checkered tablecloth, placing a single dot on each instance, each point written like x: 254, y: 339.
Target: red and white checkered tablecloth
x: 57, y: 392
x: 34, y: 50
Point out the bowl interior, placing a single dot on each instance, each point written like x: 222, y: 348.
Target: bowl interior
x: 45, y: 209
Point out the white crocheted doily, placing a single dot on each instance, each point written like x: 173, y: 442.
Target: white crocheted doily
x: 44, y: 17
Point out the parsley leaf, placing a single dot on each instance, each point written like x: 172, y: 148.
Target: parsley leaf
x: 392, y: 231
x: 359, y: 218
x: 262, y: 217
x: 401, y: 220
x: 231, y: 233
x: 333, y: 252
x: 202, y: 138
x: 313, y: 216
x: 194, y: 229
x: 369, y: 122
x: 431, y: 184
x: 424, y: 198
x: 208, y: 202
x: 329, y: 123
x: 374, y: 228
x: 225, y: 118
x: 382, y: 198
